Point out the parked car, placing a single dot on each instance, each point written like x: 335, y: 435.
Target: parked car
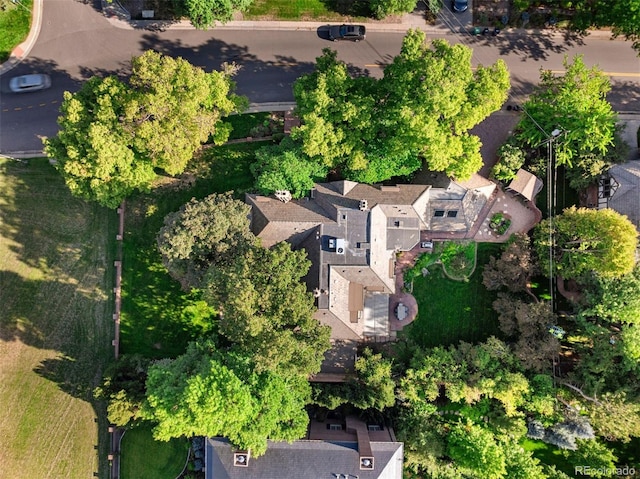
x: 27, y: 83
x: 459, y: 5
x: 355, y: 33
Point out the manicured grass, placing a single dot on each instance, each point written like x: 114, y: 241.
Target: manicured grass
x: 14, y: 25
x: 56, y: 257
x: 153, y: 319
x: 144, y: 458
x: 451, y: 311
x: 307, y: 9
x: 548, y: 454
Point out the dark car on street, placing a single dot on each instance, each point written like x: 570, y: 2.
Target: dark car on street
x: 355, y: 33
x: 459, y: 6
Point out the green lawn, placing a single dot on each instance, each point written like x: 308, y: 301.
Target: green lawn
x: 450, y: 311
x: 153, y: 319
x: 548, y: 454
x: 144, y: 458
x: 56, y: 257
x: 14, y: 25
x: 307, y: 10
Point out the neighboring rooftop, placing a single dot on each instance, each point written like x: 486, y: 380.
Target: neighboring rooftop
x: 335, y: 446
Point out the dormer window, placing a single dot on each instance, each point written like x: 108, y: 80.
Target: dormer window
x: 438, y: 213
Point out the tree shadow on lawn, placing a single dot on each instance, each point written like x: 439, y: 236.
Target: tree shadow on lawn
x: 155, y: 320
x: 57, y: 265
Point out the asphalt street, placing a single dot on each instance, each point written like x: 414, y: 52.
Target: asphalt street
x: 76, y: 41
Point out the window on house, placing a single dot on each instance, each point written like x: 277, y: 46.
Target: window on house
x: 452, y: 213
x: 334, y: 427
x: 438, y: 213
x: 374, y: 427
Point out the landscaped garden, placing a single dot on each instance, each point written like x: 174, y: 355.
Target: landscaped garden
x: 56, y: 256
x: 452, y: 310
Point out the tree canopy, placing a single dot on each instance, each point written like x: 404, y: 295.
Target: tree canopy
x: 203, y: 234
x: 586, y: 241
x: 113, y: 134
x: 267, y: 312
x: 205, y: 392
x: 423, y: 108
x: 286, y: 167
x: 574, y: 105
x: 203, y: 13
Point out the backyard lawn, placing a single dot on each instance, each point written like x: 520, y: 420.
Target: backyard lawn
x: 157, y: 316
x: 451, y: 311
x: 56, y: 256
x: 144, y: 458
x: 156, y: 313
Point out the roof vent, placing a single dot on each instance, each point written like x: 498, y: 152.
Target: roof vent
x: 363, y: 205
x: 366, y: 463
x: 241, y: 458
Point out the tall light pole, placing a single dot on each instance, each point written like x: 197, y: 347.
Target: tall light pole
x: 551, y: 195
x: 552, y: 179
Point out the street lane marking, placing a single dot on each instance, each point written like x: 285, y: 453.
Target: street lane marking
x: 610, y: 74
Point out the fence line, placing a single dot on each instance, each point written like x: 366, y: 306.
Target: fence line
x: 115, y: 432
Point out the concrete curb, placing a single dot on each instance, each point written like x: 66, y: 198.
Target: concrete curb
x: 20, y: 52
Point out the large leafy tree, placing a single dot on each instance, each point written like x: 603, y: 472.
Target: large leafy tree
x: 615, y: 300
x: 202, y: 234
x: 423, y: 107
x: 574, y: 104
x: 93, y: 147
x: 528, y: 324
x: 588, y: 240
x: 514, y: 269
x: 623, y: 16
x: 476, y: 451
x: 206, y: 392
x: 203, y: 13
x: 372, y: 387
x: 286, y: 167
x: 267, y: 312
x: 614, y: 417
x: 112, y: 134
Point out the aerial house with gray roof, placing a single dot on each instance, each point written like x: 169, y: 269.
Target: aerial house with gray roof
x: 352, y: 233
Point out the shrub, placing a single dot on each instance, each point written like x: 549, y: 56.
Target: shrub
x: 511, y: 159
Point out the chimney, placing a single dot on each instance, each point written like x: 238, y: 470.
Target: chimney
x: 241, y: 459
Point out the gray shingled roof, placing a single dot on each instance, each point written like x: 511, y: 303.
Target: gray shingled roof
x: 626, y: 200
x: 304, y: 459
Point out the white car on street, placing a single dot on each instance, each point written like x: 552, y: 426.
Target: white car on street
x: 27, y: 83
